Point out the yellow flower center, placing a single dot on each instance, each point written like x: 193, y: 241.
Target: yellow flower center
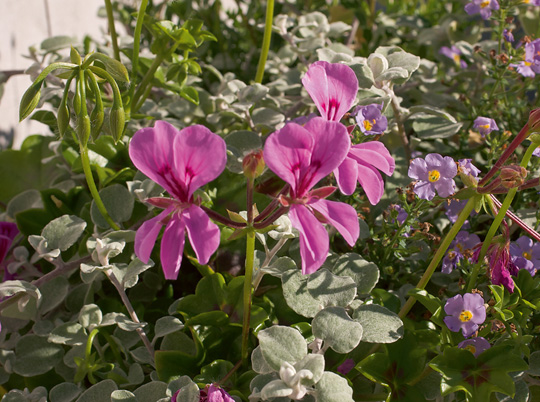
x: 460, y: 248
x: 484, y: 126
x: 434, y: 175
x: 484, y: 4
x: 527, y: 63
x: 368, y: 125
x: 526, y: 255
x: 465, y: 316
x: 470, y: 348
x: 457, y: 59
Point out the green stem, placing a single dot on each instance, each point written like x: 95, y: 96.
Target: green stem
x: 266, y: 40
x: 85, y: 160
x: 117, y: 96
x: 88, y: 350
x: 141, y: 89
x: 136, y: 49
x: 112, y: 29
x: 250, y: 254
x: 441, y: 251
x: 497, y: 221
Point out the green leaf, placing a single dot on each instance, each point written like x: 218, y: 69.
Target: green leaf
x: 282, y: 344
x: 63, y: 232
x: 167, y: 325
x: 190, y: 94
x: 36, y: 356
x: 123, y: 396
x: 113, y: 67
x: 53, y: 293
x: 100, y: 392
x: 118, y: 202
x: 431, y: 127
x: 333, y: 388
x: 30, y: 100
x: 64, y: 392
x: 55, y: 43
x: 239, y: 144
x: 380, y: 325
x: 364, y: 273
x: 214, y: 372
x: 334, y: 326
x: 430, y: 302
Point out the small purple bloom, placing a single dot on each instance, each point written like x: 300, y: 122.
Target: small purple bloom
x: 482, y: 7
x: 346, y: 366
x: 475, y: 345
x: 508, y: 35
x: 465, y: 312
x: 485, y: 125
x: 466, y: 166
x: 433, y: 173
x: 531, y: 65
x: 461, y: 248
x: 536, y: 152
x: 501, y: 266
x: 526, y: 254
x: 370, y: 119
x: 402, y: 214
x: 453, y: 53
x: 532, y: 2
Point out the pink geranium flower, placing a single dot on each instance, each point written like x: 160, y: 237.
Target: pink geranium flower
x: 181, y: 162
x: 333, y: 88
x: 302, y: 156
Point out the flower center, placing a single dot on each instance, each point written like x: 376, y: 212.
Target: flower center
x: 368, y: 125
x: 457, y: 59
x: 470, y: 348
x: 527, y: 63
x: 526, y: 255
x: 434, y: 175
x: 465, y: 316
x: 484, y: 4
x: 484, y: 126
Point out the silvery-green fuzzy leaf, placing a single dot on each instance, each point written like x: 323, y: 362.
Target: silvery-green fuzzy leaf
x: 90, y: 316
x: 239, y: 144
x: 313, y: 24
x: 104, y: 249
x: 280, y: 267
x: 534, y: 363
x: 64, y: 392
x: 119, y: 204
x: 364, y: 273
x: 334, y: 326
x: 69, y: 333
x: 313, y: 363
x: 431, y: 110
x: 393, y: 74
x: 126, y: 324
x: 307, y: 294
x: 135, y: 374
x: 26, y: 200
x: 258, y: 363
x: 522, y: 394
x: 128, y: 275
x: 431, y: 126
x: 284, y: 229
x: 53, y: 294
x: 333, y: 388
x: 123, y: 395
x: 143, y: 189
x: 100, y: 392
x: 259, y: 382
x: 39, y: 394
x: 363, y: 74
x: 275, y: 389
x: 61, y: 233
x: 40, y: 244
x: 377, y: 64
x: 189, y: 391
x: 331, y: 56
x: 380, y: 325
x: 10, y: 288
x: 266, y: 117
x: 151, y: 391
x: 338, y: 28
x: 397, y: 57
x: 36, y: 356
x: 252, y: 93
x: 167, y: 325
x: 141, y: 355
x: 282, y: 344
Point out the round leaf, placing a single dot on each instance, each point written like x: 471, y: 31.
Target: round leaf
x: 380, y: 324
x: 36, y: 356
x: 282, y: 344
x: 118, y: 202
x: 364, y: 273
x: 334, y: 326
x: 333, y: 388
x: 61, y: 233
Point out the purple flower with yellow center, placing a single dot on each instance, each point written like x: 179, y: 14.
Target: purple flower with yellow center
x: 461, y: 248
x: 531, y: 2
x: 433, y: 173
x: 482, y: 7
x: 465, y: 312
x: 370, y: 119
x: 475, y: 345
x: 525, y: 254
x: 530, y: 66
x: 453, y: 53
x: 508, y: 35
x: 485, y: 125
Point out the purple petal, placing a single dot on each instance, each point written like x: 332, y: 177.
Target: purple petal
x: 314, y: 242
x: 468, y: 328
x: 346, y: 175
x: 524, y: 243
x: 480, y: 344
x: 444, y: 186
x: 333, y: 88
x: 8, y: 232
x: 341, y: 216
x: 216, y: 394
x: 424, y: 190
x: 172, y: 247
x: 453, y: 323
x: 202, y: 232
x: 418, y: 169
x: 454, y: 305
x: 147, y: 234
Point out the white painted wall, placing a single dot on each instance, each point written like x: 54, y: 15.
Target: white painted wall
x: 24, y: 24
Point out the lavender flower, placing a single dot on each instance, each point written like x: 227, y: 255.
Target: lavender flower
x: 531, y: 65
x: 433, y: 173
x: 459, y: 249
x: 453, y: 53
x: 465, y: 166
x: 465, y: 312
x: 508, y: 35
x: 482, y: 7
x: 532, y: 2
x: 346, y: 366
x: 536, y: 152
x: 475, y: 345
x: 485, y: 125
x: 525, y: 254
x: 402, y: 214
x: 370, y: 119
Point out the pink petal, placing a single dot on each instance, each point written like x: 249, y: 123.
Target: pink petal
x: 147, y: 234
x: 313, y: 238
x: 333, y: 88
x: 287, y: 153
x: 172, y: 247
x: 346, y: 175
x: 372, y: 182
x: 341, y: 216
x: 202, y: 232
x: 200, y: 157
x: 151, y: 150
x: 376, y: 154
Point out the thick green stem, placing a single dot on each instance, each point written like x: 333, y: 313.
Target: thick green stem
x: 250, y: 254
x: 441, y: 251
x: 112, y: 29
x: 93, y: 189
x: 136, y: 49
x: 266, y: 40
x: 497, y: 221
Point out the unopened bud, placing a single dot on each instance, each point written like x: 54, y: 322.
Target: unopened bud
x: 75, y: 56
x: 63, y: 117
x: 30, y: 100
x: 83, y: 128
x: 513, y: 176
x: 117, y: 120
x: 534, y: 121
x: 253, y: 164
x: 96, y: 119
